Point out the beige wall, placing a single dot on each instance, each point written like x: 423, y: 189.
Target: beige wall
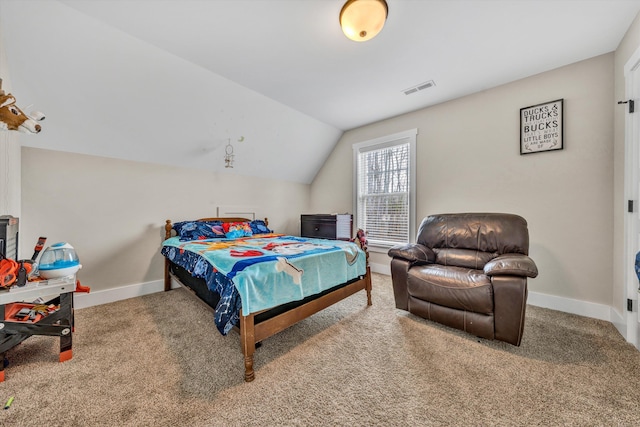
x: 630, y: 43
x: 113, y: 211
x: 468, y: 160
x: 9, y: 153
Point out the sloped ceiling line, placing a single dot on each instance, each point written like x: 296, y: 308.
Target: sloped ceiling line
x: 156, y: 81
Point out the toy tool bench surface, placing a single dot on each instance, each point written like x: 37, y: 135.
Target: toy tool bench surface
x: 19, y: 319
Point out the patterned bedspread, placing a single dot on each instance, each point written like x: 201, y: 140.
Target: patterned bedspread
x: 260, y: 272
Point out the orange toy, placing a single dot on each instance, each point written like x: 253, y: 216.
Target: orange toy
x: 80, y: 288
x: 8, y: 272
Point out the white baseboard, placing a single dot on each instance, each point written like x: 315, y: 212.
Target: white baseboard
x: 619, y: 321
x: 567, y: 305
x: 573, y: 306
x: 582, y: 308
x: 380, y: 268
x: 84, y: 300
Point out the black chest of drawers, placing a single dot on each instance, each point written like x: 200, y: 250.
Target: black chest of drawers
x: 326, y: 226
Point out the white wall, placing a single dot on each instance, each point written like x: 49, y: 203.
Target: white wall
x: 468, y: 160
x: 9, y: 153
x: 629, y: 44
x: 108, y: 93
x: 113, y: 211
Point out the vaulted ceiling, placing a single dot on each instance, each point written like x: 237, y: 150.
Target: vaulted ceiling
x: 173, y: 81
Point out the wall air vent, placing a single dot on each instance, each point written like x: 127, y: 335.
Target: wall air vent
x: 421, y: 86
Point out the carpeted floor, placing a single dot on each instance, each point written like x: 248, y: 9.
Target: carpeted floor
x: 158, y: 360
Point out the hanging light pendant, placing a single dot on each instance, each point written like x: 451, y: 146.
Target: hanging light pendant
x: 362, y: 20
x: 228, y: 154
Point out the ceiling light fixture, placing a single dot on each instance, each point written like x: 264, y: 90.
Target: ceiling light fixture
x: 228, y: 154
x: 362, y: 20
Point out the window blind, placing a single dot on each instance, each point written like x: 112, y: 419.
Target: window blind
x: 383, y: 192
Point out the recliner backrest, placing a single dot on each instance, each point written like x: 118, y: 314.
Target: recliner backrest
x: 473, y: 239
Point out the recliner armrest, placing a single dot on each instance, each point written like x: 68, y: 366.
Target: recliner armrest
x: 413, y: 252
x: 511, y: 264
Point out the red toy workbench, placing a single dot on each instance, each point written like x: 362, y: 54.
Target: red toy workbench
x: 15, y: 327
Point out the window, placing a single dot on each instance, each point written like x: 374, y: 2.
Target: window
x: 384, y: 177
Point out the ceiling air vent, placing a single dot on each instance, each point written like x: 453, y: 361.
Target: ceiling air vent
x: 421, y: 86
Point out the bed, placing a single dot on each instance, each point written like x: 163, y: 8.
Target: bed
x: 259, y: 282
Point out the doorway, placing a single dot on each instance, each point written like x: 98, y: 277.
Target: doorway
x: 632, y: 193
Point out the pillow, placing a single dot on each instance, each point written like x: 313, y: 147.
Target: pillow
x: 199, y: 230
x: 258, y: 226
x: 233, y: 230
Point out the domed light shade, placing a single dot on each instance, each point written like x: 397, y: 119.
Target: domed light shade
x: 362, y: 20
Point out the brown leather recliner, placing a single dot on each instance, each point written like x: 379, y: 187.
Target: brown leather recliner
x: 468, y: 271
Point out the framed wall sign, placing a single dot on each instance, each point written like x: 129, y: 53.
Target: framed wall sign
x: 541, y: 127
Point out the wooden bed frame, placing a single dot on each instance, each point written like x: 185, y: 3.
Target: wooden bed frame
x: 252, y: 331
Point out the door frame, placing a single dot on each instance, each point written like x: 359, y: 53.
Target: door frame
x: 632, y: 192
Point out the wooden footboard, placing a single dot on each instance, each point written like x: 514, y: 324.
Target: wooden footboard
x: 252, y: 333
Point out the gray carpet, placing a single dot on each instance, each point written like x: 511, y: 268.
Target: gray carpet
x: 158, y: 360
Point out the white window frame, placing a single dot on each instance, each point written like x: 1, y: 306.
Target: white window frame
x: 408, y: 136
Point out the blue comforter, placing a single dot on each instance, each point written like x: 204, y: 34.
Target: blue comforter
x: 264, y: 271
